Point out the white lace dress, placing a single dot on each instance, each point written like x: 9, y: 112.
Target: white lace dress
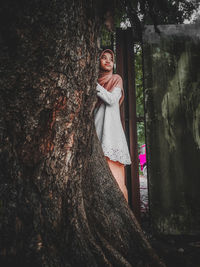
x: 109, y: 127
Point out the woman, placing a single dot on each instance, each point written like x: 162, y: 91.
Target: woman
x: 107, y: 119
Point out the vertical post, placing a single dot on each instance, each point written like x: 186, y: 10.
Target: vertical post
x: 135, y: 187
x: 125, y: 68
x: 120, y: 48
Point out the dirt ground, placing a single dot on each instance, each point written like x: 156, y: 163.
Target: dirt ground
x: 176, y: 251
x: 181, y: 251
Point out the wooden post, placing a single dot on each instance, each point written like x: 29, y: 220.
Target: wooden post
x: 133, y: 124
x: 125, y: 68
x: 120, y: 48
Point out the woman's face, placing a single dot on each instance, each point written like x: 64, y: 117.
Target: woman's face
x: 106, y: 62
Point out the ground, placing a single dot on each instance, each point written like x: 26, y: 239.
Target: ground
x: 183, y: 251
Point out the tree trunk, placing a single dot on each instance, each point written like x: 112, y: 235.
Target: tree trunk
x: 59, y: 204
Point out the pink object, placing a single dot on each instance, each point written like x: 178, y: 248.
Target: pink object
x: 142, y: 157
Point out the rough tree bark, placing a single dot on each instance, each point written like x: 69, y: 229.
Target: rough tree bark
x: 59, y: 204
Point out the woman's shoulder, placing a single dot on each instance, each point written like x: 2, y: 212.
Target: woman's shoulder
x: 117, y: 81
x: 117, y: 77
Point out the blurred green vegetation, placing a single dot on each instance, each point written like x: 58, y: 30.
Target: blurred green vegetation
x: 106, y: 38
x: 139, y: 94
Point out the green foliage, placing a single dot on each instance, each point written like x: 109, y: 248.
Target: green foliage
x: 140, y: 134
x: 106, y: 38
x: 139, y: 94
x: 143, y: 12
x: 169, y: 11
x: 139, y: 81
